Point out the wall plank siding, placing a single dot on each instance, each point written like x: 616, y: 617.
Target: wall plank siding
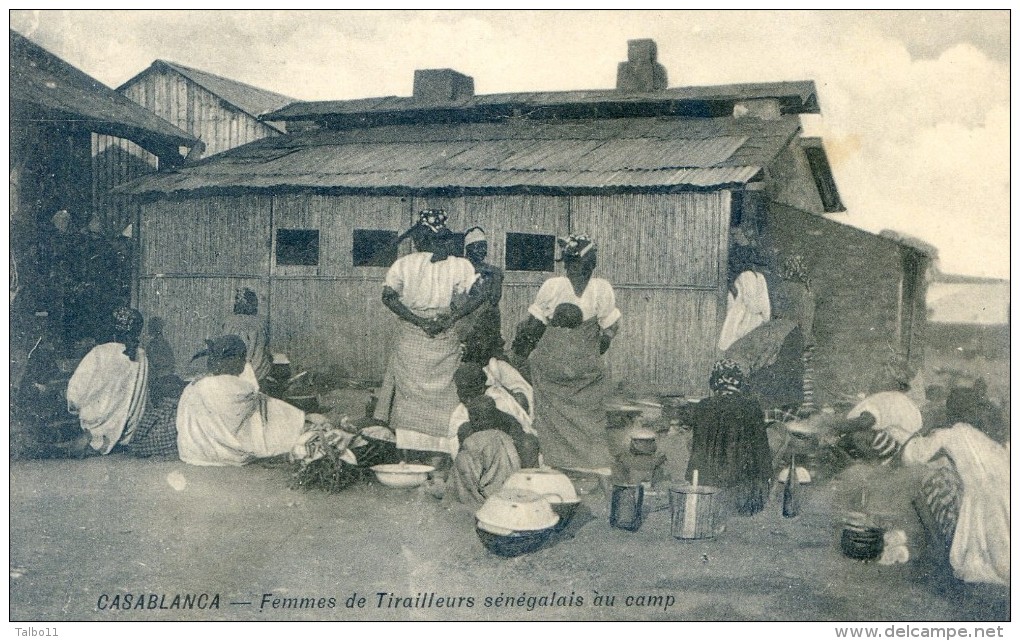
x: 655, y: 239
x: 222, y: 235
x: 332, y: 316
x: 208, y: 303
x: 196, y: 110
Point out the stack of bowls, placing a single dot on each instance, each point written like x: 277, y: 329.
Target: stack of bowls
x: 514, y: 522
x: 554, y: 486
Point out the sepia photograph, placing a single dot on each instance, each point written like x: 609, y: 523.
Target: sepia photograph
x: 689, y: 316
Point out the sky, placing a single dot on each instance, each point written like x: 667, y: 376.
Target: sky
x: 914, y: 104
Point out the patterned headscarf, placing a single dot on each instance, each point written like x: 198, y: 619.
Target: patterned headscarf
x: 433, y: 219
x: 575, y: 246
x: 127, y: 327
x: 726, y: 377
x: 794, y: 271
x: 127, y: 322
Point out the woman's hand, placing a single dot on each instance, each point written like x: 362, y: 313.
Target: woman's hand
x: 436, y: 326
x: 606, y: 337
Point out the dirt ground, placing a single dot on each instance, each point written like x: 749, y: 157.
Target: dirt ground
x: 83, y: 533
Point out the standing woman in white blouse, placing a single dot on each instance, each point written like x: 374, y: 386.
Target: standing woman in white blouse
x: 569, y: 327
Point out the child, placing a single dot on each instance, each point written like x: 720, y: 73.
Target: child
x: 491, y: 407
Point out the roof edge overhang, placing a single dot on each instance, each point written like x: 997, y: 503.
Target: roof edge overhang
x: 794, y: 98
x: 136, y: 188
x: 159, y: 144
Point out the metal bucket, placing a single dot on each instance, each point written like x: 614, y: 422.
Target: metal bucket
x: 625, y: 506
x: 693, y: 511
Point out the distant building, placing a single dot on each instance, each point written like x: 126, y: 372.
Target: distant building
x: 219, y: 112
x: 968, y: 316
x: 665, y: 179
x: 55, y: 111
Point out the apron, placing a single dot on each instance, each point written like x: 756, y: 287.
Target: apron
x: 570, y: 388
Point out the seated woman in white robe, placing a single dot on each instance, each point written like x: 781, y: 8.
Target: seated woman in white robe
x: 223, y: 419
x: 109, y: 388
x: 980, y: 543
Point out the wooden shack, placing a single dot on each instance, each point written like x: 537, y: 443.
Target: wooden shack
x: 660, y: 177
x: 55, y: 110
x: 221, y: 113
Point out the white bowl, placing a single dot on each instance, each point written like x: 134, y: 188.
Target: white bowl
x: 517, y: 510
x: 402, y: 475
x: 555, y: 486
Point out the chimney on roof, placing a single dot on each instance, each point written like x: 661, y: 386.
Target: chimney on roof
x: 442, y: 85
x: 642, y: 72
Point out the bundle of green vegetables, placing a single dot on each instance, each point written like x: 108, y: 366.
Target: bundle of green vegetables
x: 322, y: 460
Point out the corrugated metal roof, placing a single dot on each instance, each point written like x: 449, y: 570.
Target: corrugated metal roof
x: 549, y: 155
x: 43, y: 82
x: 795, y: 97
x: 252, y: 100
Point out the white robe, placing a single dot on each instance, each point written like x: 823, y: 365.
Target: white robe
x: 502, y: 381
x: 747, y: 310
x: 980, y: 550
x: 894, y: 412
x: 108, y: 392
x: 225, y: 420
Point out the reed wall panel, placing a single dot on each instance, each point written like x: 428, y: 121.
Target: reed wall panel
x: 334, y: 316
x: 667, y: 339
x: 656, y: 239
x: 336, y: 218
x: 217, y: 235
x: 192, y: 310
x: 326, y: 323
x: 116, y: 161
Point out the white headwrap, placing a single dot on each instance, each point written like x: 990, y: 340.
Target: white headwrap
x: 476, y: 235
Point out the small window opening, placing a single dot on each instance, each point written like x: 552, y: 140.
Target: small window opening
x: 530, y: 252
x: 297, y: 247
x: 374, y: 248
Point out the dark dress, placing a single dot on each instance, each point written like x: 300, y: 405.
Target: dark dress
x: 484, y: 325
x: 730, y: 449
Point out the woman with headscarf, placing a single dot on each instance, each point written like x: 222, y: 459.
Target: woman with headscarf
x: 429, y: 291
x: 484, y: 323
x: 246, y: 323
x: 772, y: 354
x: 730, y: 447
x: 223, y: 418
x: 109, y: 389
x: 569, y: 328
x: 747, y: 304
x: 979, y: 468
x: 878, y: 426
